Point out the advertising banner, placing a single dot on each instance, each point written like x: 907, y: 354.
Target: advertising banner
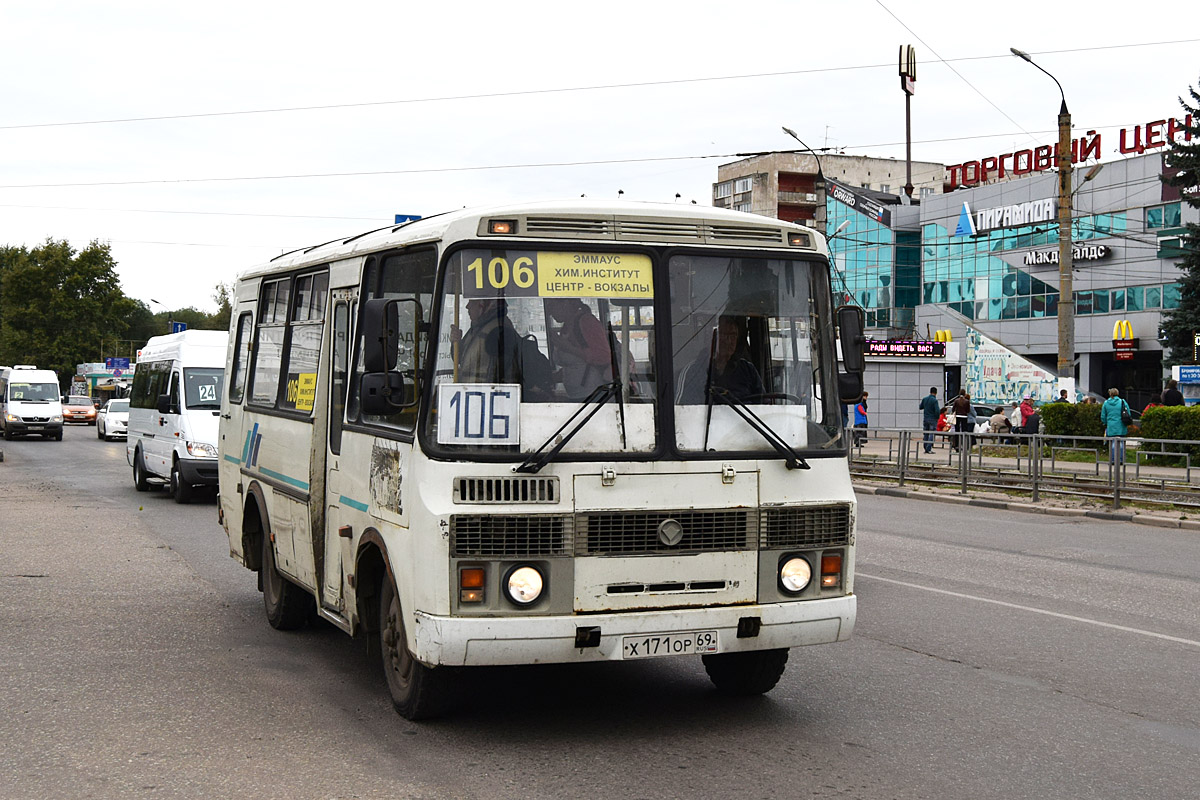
x: 995, y: 374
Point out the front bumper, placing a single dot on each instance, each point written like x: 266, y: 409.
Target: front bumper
x: 22, y: 427
x: 198, y: 471
x: 491, y: 641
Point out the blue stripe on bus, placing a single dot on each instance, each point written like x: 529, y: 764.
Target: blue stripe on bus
x: 232, y: 459
x: 279, y: 476
x: 357, y: 506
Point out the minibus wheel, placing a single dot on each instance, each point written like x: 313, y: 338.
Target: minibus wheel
x: 417, y: 691
x: 748, y: 673
x: 139, y: 473
x: 287, y: 605
x: 181, y: 489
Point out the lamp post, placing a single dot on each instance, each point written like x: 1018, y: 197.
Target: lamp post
x: 820, y: 184
x: 1066, y: 292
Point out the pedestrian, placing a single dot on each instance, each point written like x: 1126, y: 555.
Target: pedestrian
x: 1155, y: 402
x: 860, y: 420
x: 929, y: 416
x: 1014, y: 417
x: 1172, y: 396
x: 999, y: 423
x: 1027, y: 411
x: 1062, y: 397
x: 1116, y: 418
x: 962, y: 425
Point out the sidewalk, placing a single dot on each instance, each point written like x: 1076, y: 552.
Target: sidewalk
x: 883, y: 448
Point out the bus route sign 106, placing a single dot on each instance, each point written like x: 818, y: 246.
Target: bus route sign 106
x: 479, y: 413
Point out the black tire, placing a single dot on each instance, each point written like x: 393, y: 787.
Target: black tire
x: 181, y: 490
x: 139, y: 473
x: 8, y: 435
x: 58, y: 436
x: 99, y: 435
x: 418, y: 692
x: 288, y: 606
x: 749, y: 673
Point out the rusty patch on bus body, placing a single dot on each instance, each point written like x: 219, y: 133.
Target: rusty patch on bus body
x: 386, y: 478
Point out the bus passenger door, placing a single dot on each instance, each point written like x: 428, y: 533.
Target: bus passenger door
x: 338, y: 508
x: 233, y: 442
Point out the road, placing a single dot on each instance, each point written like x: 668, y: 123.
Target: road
x: 997, y: 655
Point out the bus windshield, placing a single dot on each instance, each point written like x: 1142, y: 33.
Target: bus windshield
x: 528, y: 342
x: 202, y: 387
x: 751, y: 337
x: 33, y: 392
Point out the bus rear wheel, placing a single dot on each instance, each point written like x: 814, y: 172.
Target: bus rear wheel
x: 418, y: 692
x: 749, y: 673
x: 287, y: 605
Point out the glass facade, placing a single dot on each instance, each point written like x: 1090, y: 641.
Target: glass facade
x: 875, y: 267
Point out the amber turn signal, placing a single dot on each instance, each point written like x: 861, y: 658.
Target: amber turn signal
x: 470, y: 578
x: 831, y: 570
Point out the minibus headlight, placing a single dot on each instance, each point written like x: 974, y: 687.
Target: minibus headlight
x: 201, y: 449
x: 55, y: 418
x: 794, y: 575
x: 524, y: 585
x: 13, y: 417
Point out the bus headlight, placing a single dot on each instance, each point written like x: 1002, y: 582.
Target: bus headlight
x: 794, y: 574
x: 524, y: 585
x: 201, y: 449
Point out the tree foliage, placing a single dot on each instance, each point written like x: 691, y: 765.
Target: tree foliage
x: 1183, y: 160
x: 57, y: 305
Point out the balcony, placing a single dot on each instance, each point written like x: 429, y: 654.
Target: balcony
x: 798, y: 198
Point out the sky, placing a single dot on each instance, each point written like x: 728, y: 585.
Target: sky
x: 202, y: 139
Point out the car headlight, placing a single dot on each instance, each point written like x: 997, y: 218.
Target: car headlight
x: 794, y: 574
x: 524, y: 585
x: 201, y: 449
x: 11, y: 418
x: 55, y: 418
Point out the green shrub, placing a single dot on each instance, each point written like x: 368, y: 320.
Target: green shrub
x: 1173, y: 422
x: 1072, y: 419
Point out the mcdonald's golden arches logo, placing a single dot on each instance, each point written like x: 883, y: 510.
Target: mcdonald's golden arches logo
x: 942, y: 336
x: 1122, y: 329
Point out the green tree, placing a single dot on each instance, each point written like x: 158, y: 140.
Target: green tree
x: 223, y: 297
x: 57, y: 305
x: 1183, y: 162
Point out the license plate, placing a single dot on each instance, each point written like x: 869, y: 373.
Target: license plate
x: 669, y: 644
x: 35, y: 428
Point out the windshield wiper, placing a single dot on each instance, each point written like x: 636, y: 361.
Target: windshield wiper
x: 594, y: 401
x: 791, y: 457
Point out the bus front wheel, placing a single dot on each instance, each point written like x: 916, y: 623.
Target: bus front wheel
x: 417, y: 691
x: 753, y: 672
x: 288, y: 606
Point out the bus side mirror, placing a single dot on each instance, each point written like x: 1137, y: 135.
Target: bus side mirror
x: 851, y: 323
x: 163, y: 405
x: 381, y: 335
x: 383, y: 393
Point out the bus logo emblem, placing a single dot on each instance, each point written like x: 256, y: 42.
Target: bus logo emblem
x: 670, y: 532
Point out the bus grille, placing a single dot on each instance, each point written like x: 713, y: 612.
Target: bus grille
x: 636, y: 532
x: 666, y: 229
x: 805, y: 526
x: 485, y: 535
x: 506, y: 490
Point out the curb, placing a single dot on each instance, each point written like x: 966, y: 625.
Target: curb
x: 982, y: 502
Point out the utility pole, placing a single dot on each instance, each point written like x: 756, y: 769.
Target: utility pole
x: 1066, y: 290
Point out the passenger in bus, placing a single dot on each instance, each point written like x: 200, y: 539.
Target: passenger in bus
x: 491, y: 351
x: 580, y: 347
x: 730, y: 370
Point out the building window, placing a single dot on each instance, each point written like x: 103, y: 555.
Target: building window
x: 926, y: 191
x: 741, y: 207
x: 723, y: 190
x: 885, y: 187
x: 1165, y: 216
x: 742, y: 185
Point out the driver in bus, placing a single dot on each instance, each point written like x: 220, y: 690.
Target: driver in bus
x: 731, y: 370
x: 491, y: 351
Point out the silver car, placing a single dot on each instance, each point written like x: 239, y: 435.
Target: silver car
x: 112, y: 421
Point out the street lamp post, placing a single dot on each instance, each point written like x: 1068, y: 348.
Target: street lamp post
x: 820, y: 182
x: 1066, y: 291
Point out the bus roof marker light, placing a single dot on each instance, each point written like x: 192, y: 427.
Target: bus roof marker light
x: 502, y: 227
x: 799, y: 240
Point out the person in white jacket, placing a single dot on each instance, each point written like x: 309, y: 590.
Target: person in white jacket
x: 1015, y: 417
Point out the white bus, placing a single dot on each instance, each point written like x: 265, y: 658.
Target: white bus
x: 547, y: 433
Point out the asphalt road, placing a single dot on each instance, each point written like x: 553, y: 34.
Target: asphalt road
x: 997, y: 655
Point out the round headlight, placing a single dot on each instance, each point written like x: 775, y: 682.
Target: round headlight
x: 524, y: 585
x: 794, y: 575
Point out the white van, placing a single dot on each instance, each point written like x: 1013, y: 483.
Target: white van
x: 30, y: 402
x: 173, y: 410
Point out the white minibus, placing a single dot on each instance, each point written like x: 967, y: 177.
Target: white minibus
x: 30, y: 402
x: 559, y: 432
x: 173, y: 407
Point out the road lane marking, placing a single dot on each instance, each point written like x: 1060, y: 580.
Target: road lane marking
x: 1019, y: 607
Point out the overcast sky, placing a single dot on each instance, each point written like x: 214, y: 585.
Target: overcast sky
x: 200, y: 139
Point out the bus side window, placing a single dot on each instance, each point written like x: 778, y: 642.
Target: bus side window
x: 241, y: 358
x: 337, y: 392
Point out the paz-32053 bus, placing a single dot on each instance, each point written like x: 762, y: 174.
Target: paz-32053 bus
x: 548, y: 433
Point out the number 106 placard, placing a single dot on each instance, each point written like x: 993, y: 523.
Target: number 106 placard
x: 479, y: 413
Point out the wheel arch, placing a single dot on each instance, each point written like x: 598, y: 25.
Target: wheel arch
x: 371, y: 568
x: 256, y: 523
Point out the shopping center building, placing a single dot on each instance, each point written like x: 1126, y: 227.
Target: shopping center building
x: 978, y: 264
